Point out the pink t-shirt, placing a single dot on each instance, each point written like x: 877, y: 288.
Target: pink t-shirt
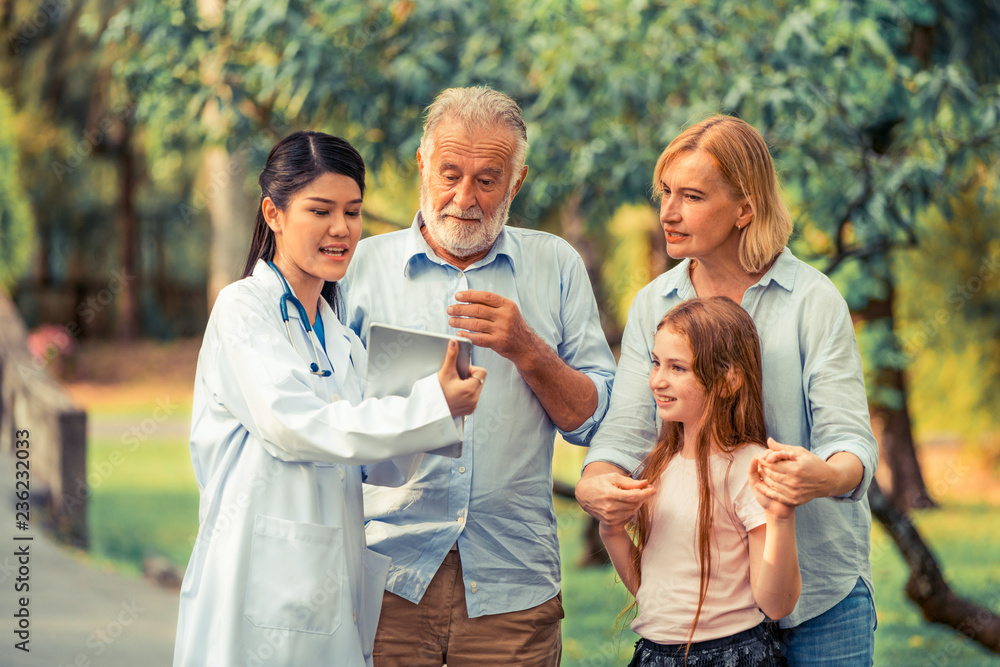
x: 668, y: 594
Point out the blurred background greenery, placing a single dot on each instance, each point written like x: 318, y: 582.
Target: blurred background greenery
x: 131, y: 135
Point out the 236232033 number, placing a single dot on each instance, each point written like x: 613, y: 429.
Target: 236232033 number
x: 22, y: 475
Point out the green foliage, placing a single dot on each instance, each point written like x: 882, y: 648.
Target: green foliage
x: 949, y: 302
x: 876, y: 111
x: 603, y: 86
x: 16, y: 220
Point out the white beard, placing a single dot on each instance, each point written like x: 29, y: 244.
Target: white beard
x: 463, y: 239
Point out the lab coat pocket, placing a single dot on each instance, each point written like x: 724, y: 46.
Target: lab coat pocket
x: 295, y: 577
x: 372, y: 588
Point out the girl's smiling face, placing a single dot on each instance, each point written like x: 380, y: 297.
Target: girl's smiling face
x: 679, y: 395
x: 317, y: 233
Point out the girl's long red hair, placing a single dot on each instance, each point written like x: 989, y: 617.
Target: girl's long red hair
x: 726, y: 361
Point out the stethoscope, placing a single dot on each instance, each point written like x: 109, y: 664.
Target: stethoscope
x: 283, y: 304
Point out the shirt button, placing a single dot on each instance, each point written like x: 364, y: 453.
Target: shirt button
x: 341, y: 471
x: 473, y: 586
x: 460, y: 519
x: 355, y: 614
x: 461, y: 469
x: 334, y: 398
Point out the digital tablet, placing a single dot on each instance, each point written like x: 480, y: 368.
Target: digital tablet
x: 398, y: 357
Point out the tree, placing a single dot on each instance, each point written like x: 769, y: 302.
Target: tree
x: 16, y: 220
x: 877, y: 157
x: 63, y: 83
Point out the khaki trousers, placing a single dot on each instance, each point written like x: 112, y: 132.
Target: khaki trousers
x: 439, y: 631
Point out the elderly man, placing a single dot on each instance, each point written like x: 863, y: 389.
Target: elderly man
x: 475, y: 557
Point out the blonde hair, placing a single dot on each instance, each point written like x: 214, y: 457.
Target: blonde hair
x: 744, y: 162
x: 478, y: 108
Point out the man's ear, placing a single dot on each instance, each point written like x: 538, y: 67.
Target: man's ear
x: 520, y: 181
x: 271, y: 216
x: 420, y: 163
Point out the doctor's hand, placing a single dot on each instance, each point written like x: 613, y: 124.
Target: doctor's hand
x: 462, y: 395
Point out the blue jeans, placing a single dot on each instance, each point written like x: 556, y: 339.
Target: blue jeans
x: 843, y: 636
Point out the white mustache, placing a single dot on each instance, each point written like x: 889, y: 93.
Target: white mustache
x: 454, y: 211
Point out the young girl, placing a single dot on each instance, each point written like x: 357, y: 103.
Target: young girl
x: 281, y: 439
x: 713, y: 553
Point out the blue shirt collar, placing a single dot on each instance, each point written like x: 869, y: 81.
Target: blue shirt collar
x: 417, y: 248
x: 781, y: 272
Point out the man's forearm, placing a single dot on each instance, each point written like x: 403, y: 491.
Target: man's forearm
x: 849, y: 471
x: 602, y: 468
x: 568, y: 396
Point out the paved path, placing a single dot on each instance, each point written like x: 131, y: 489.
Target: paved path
x: 79, y: 615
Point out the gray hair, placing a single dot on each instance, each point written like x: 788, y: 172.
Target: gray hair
x: 478, y: 108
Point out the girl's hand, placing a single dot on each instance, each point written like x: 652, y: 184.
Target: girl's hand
x: 765, y: 496
x: 462, y: 395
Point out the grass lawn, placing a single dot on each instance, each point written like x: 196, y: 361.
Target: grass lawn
x: 144, y: 498
x: 964, y: 542
x: 146, y: 504
x: 147, y: 507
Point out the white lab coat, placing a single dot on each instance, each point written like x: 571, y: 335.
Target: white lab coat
x: 280, y: 574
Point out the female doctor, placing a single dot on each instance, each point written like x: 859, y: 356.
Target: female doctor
x: 281, y: 439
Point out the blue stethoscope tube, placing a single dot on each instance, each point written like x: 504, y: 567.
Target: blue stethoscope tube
x: 283, y: 305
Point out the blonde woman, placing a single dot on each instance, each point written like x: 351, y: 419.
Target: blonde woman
x: 723, y: 216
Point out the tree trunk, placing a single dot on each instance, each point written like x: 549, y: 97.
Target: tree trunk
x: 573, y: 228
x: 127, y: 324
x: 594, y: 552
x: 7, y: 25
x: 659, y: 260
x: 230, y: 215
x: 220, y: 186
x: 926, y: 586
x: 897, y: 452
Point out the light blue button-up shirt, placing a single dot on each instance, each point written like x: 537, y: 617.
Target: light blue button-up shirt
x: 814, y: 396
x: 495, y: 500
